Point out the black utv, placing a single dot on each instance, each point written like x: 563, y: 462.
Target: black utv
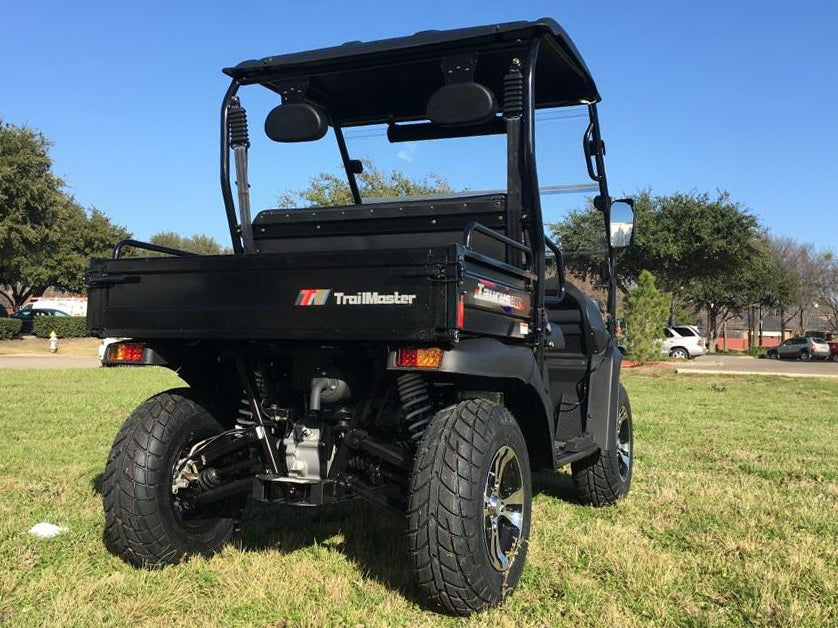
x: 423, y: 354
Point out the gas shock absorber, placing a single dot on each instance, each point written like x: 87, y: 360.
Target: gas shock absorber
x: 416, y: 403
x: 240, y: 142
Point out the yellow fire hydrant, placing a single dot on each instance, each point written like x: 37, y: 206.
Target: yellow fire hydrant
x: 53, y: 342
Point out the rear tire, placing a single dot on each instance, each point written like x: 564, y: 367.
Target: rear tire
x: 604, y: 477
x: 805, y: 356
x: 144, y: 524
x: 679, y: 353
x: 469, y: 507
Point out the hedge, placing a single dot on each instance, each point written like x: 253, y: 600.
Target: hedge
x: 9, y: 327
x: 63, y: 326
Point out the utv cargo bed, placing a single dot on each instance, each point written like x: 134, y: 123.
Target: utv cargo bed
x: 426, y: 295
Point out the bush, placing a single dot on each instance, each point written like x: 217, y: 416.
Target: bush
x: 63, y: 326
x: 646, y: 312
x: 9, y: 327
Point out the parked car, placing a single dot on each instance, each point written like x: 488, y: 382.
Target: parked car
x: 27, y: 317
x: 683, y: 342
x: 801, y: 348
x: 833, y: 350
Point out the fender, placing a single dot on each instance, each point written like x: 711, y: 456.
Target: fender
x: 492, y: 359
x: 604, y: 396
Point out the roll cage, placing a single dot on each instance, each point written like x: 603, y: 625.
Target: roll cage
x: 533, y: 65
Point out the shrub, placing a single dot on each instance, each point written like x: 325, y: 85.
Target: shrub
x: 646, y: 311
x: 63, y: 326
x: 9, y: 327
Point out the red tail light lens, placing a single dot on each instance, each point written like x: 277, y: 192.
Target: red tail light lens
x: 126, y: 352
x: 427, y: 358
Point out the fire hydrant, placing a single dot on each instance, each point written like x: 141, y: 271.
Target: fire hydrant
x: 53, y: 342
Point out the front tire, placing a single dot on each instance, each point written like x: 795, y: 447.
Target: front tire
x: 469, y: 507
x: 604, y: 477
x: 145, y: 524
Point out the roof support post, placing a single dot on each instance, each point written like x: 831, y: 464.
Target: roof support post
x: 226, y: 189
x: 532, y: 217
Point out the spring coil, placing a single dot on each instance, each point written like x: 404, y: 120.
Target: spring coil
x: 416, y: 403
x: 513, y: 92
x: 237, y: 123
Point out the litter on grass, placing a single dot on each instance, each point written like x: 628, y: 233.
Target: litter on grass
x: 46, y: 530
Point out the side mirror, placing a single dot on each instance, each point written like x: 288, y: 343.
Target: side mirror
x: 461, y: 104
x: 296, y: 122
x: 621, y: 226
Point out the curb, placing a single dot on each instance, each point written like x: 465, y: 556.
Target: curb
x: 721, y: 372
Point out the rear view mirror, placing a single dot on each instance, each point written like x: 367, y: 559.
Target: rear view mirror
x: 296, y: 122
x: 621, y: 226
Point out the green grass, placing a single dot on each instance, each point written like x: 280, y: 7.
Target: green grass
x: 732, y: 520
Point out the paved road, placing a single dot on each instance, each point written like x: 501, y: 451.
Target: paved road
x: 754, y: 366
x: 57, y: 361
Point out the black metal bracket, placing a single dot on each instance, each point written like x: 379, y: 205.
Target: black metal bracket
x: 117, y: 249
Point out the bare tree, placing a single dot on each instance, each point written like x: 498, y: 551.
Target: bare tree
x: 810, y: 269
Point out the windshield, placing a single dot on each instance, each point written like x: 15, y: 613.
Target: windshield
x: 305, y: 174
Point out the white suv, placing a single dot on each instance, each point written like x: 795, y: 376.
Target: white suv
x: 683, y: 342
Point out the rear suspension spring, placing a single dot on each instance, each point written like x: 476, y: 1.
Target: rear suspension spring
x: 416, y: 403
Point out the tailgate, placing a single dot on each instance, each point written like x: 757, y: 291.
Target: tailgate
x: 367, y: 295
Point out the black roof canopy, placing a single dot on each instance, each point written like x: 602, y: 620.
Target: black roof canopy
x: 393, y: 79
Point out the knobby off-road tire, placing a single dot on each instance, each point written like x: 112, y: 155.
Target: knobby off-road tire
x: 604, y: 477
x: 471, y: 472
x: 143, y: 526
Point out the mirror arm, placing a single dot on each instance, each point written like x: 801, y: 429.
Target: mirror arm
x: 593, y: 135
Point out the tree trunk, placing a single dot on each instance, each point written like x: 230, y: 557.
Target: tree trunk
x: 761, y: 323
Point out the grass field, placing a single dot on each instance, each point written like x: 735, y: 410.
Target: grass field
x: 732, y: 520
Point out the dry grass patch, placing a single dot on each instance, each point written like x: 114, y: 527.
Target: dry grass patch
x: 40, y: 346
x: 732, y: 521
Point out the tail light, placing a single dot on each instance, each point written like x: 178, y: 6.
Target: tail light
x: 126, y: 352
x: 424, y: 358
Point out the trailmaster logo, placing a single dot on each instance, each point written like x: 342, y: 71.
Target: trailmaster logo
x: 321, y: 297
x: 312, y: 297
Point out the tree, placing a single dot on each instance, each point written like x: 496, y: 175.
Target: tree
x: 46, y: 237
x: 759, y: 283
x: 681, y: 238
x: 328, y: 190
x: 829, y: 295
x: 646, y: 310
x: 809, y: 270
x: 199, y: 243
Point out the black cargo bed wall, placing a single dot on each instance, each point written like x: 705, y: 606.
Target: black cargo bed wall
x: 378, y: 226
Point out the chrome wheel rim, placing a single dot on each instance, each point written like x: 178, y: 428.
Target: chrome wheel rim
x: 623, y: 442
x: 503, y: 508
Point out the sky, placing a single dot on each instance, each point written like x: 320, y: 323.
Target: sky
x: 703, y: 96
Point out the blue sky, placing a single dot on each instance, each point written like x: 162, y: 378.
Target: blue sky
x: 696, y: 96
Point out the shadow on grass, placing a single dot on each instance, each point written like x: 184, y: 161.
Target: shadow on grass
x: 373, y: 539
x: 554, y: 484
x: 96, y: 483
